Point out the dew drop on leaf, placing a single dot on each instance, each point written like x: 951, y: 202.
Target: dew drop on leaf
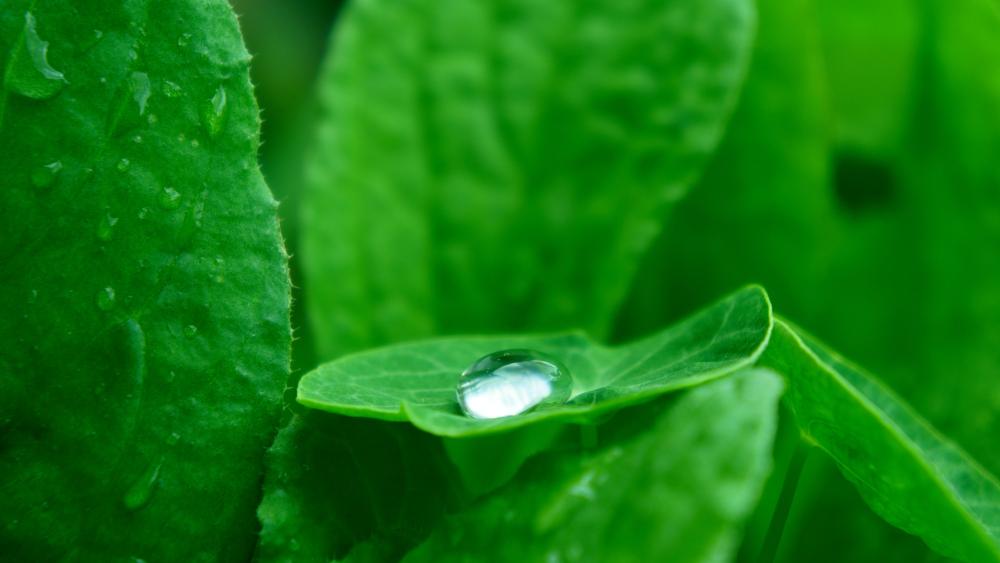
x: 45, y: 175
x: 190, y: 331
x: 184, y: 40
x: 123, y: 165
x: 106, y: 299
x: 170, y: 198
x: 511, y: 382
x: 214, y: 112
x: 28, y: 70
x: 105, y: 228
x: 138, y: 494
x: 139, y: 81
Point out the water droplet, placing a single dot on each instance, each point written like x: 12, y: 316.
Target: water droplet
x: 130, y: 101
x: 173, y: 439
x: 190, y: 331
x: 139, y: 82
x: 215, y: 112
x: 152, y: 119
x: 511, y: 382
x: 138, y: 494
x: 106, y: 299
x: 195, y: 144
x: 28, y: 70
x: 123, y: 165
x: 137, y: 139
x: 45, y: 175
x: 170, y: 198
x: 184, y: 40
x: 143, y: 213
x: 33, y: 296
x: 171, y: 89
x: 106, y: 227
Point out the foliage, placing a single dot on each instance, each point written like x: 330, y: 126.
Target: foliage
x: 585, y: 180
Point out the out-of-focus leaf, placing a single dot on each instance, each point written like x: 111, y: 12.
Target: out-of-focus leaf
x: 905, y: 470
x: 679, y: 490
x: 417, y: 381
x: 501, y: 165
x: 143, y: 288
x: 336, y: 482
x: 762, y: 212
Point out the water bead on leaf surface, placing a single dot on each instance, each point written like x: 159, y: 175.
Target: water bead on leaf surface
x: 511, y: 382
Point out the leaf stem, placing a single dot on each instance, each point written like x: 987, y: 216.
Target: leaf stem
x: 775, y: 530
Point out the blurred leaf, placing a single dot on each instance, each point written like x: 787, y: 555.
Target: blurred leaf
x: 762, y: 212
x: 905, y: 470
x: 678, y: 491
x: 501, y: 165
x: 143, y: 292
x: 417, y: 381
x: 366, y: 481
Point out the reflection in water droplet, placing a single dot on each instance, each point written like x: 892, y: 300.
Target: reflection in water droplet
x: 215, y: 112
x: 106, y: 299
x: 45, y: 175
x: 190, y: 331
x: 138, y: 494
x: 28, y: 70
x: 511, y: 382
x: 170, y: 198
x: 123, y: 165
x: 105, y: 228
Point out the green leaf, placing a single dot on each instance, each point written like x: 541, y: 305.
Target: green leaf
x: 143, y: 293
x: 337, y: 481
x: 907, y: 472
x: 501, y: 165
x: 678, y: 490
x: 417, y: 381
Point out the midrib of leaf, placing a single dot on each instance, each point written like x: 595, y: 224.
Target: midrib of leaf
x: 916, y: 452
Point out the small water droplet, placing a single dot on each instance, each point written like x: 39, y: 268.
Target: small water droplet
x: 170, y: 198
x: 190, y: 331
x: 45, y: 175
x: 214, y: 112
x: 510, y: 382
x: 173, y: 439
x: 139, y: 82
x: 138, y: 494
x: 123, y: 165
x: 28, y: 70
x: 106, y: 299
x: 152, y: 119
x: 184, y: 40
x: 171, y: 89
x: 33, y: 296
x: 143, y: 213
x: 106, y: 227
x: 137, y: 139
x: 195, y: 144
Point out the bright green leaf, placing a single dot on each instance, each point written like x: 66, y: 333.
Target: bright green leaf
x: 678, y: 490
x: 144, y: 293
x: 908, y: 473
x: 416, y: 381
x: 502, y: 164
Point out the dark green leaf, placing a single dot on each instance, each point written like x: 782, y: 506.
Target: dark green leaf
x: 501, y: 165
x: 677, y: 491
x: 143, y: 289
x: 417, y: 381
x: 365, y: 481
